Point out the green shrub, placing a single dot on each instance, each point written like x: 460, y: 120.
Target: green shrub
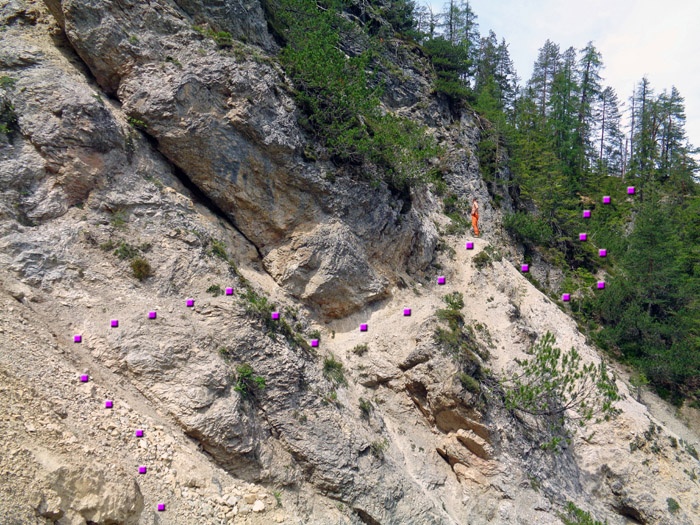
x: 138, y: 124
x: 528, y: 229
x: 248, y: 384
x: 576, y: 516
x: 215, y: 290
x: 126, y: 251
x: 481, y: 260
x: 365, y: 408
x: 552, y: 384
x: 7, y: 82
x: 471, y: 384
x: 360, y: 349
x: 333, y: 371
x: 141, y: 268
x: 378, y: 447
x: 673, y: 505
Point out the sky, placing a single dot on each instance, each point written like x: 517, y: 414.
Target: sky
x: 659, y: 39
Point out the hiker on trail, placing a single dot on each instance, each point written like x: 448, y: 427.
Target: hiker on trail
x: 475, y: 217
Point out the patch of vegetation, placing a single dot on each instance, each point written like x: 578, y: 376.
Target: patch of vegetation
x: 278, y: 498
x: 118, y: 219
x: 468, y: 382
x: 340, y: 104
x: 98, y: 97
x: 141, y: 268
x: 218, y: 249
x: 315, y: 334
x: 481, y: 260
x: 673, y: 505
x: 225, y: 353
x: 8, y: 117
x: 378, y: 447
x: 366, y: 408
x: 528, y: 229
x: 360, y: 349
x: 173, y: 61
x: 457, y: 339
x: 215, y: 290
x: 333, y: 371
x: 222, y: 38
x: 553, y: 383
x: 576, y: 516
x: 260, y: 308
x: 7, y: 82
x: 136, y: 123
x: 107, y: 246
x: 126, y: 251
x: 247, y: 383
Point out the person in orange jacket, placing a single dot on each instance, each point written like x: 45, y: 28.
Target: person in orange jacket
x: 475, y: 216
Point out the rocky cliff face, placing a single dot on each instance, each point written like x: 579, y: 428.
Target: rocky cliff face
x: 139, y: 140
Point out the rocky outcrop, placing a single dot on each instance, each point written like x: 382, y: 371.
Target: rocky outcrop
x: 224, y: 116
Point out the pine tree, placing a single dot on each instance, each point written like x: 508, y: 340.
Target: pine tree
x: 611, y: 145
x: 546, y: 66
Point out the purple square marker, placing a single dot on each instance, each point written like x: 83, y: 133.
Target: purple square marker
x: 77, y: 339
x: 526, y: 267
x: 407, y: 312
x: 142, y: 470
x: 601, y: 285
x: 363, y: 328
x: 229, y: 291
x: 606, y: 200
x: 84, y: 379
x: 582, y: 236
x: 161, y: 507
x: 566, y: 297
x: 441, y: 280
x: 151, y: 315
x: 114, y: 323
x: 314, y: 343
x: 139, y: 433
x: 470, y: 246
x: 275, y: 315
x: 602, y: 253
x: 108, y: 404
x: 190, y: 302
x: 630, y: 190
x: 586, y: 214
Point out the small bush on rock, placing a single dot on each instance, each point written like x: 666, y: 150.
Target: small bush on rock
x: 141, y: 268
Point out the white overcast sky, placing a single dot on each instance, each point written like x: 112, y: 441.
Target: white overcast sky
x: 660, y: 39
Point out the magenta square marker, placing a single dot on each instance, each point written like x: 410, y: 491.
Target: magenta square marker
x: 606, y: 200
x: 566, y: 297
x: 602, y: 253
x: 525, y: 267
x: 275, y: 315
x: 582, y: 236
x: 108, y: 404
x: 77, y: 338
x: 363, y: 328
x: 190, y: 302
x: 139, y: 433
x: 84, y: 379
x: 470, y: 246
x: 314, y: 343
x: 151, y: 315
x: 229, y: 291
x: 407, y: 312
x: 161, y: 506
x: 114, y: 323
x: 630, y: 190
x: 142, y: 470
x: 586, y: 214
x: 441, y: 280
x: 601, y: 285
